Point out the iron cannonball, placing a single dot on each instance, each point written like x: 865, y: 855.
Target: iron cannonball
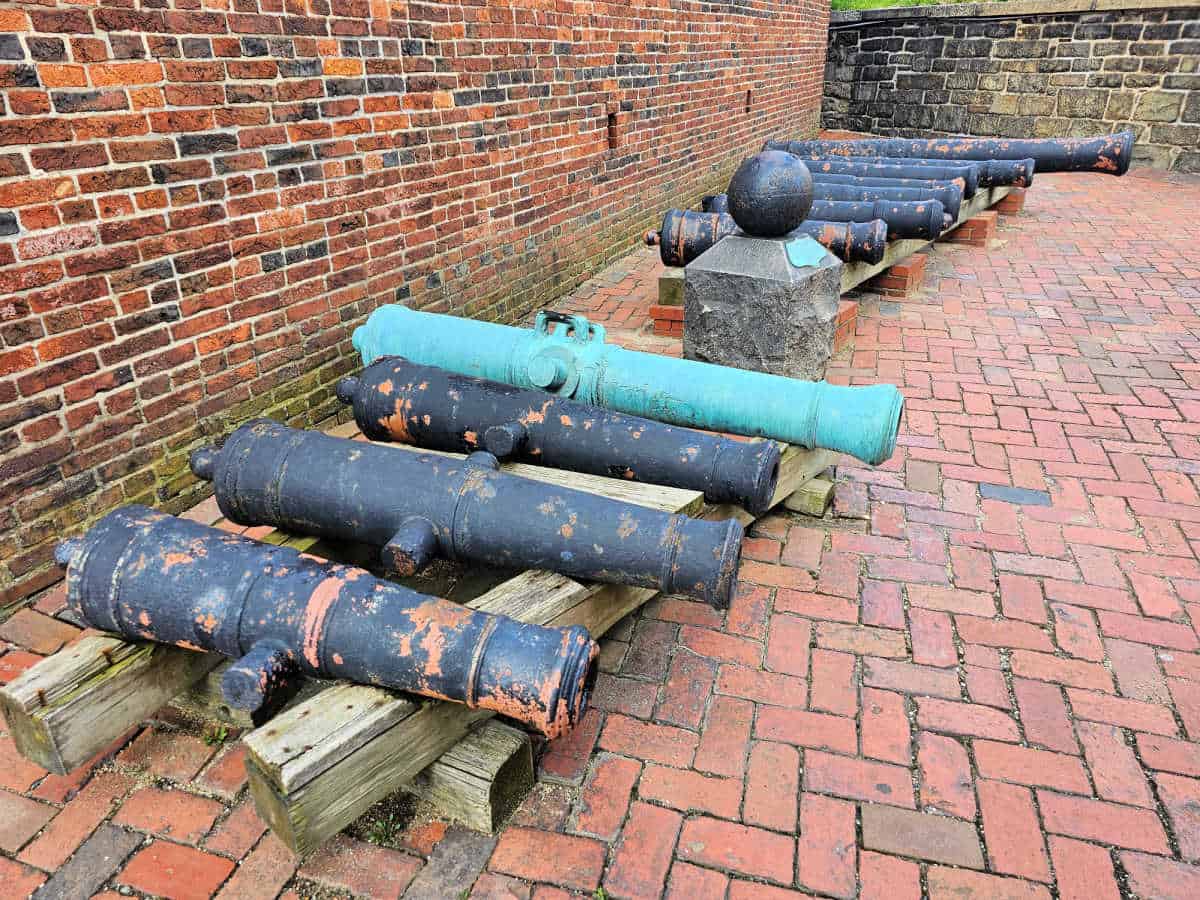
x: 770, y: 194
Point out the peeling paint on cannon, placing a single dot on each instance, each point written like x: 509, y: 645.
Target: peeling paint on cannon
x: 568, y: 355
x: 1108, y: 153
x: 394, y: 399
x: 280, y: 613
x: 849, y: 241
x: 419, y: 506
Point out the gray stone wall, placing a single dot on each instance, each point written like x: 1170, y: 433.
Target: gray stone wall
x: 1048, y: 68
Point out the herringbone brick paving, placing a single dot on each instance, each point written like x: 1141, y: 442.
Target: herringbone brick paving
x: 980, y: 677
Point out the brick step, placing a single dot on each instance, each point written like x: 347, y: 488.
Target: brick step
x: 902, y: 279
x: 977, y: 231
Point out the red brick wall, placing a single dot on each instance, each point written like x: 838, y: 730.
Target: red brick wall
x: 199, y: 200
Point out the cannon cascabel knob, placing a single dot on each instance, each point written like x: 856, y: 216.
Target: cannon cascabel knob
x: 770, y: 194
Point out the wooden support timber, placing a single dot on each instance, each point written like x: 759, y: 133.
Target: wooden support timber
x: 812, y: 498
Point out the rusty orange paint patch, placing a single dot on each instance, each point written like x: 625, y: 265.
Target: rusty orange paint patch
x: 315, y: 613
x: 170, y: 560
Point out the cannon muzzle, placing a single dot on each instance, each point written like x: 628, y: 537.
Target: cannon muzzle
x: 567, y: 355
x: 418, y: 507
x: 1109, y: 153
x: 396, y: 400
x: 280, y: 613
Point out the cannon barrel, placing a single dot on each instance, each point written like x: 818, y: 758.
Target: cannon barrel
x: 394, y: 399
x: 946, y: 193
x: 419, y: 506
x: 849, y: 241
x: 280, y: 613
x: 686, y: 234
x: 904, y: 218
x: 966, y: 173
x: 863, y: 181
x: 990, y: 172
x: 949, y: 195
x: 568, y: 355
x: 1110, y: 153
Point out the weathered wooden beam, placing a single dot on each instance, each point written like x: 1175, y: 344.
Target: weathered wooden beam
x: 481, y: 779
x: 68, y: 707
x: 812, y: 498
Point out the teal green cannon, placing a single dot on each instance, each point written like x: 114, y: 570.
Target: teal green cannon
x: 568, y: 356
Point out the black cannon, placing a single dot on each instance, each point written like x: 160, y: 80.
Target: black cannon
x: 1110, y: 153
x: 966, y: 173
x: 686, y: 234
x: 849, y: 241
x: 949, y: 195
x: 904, y: 218
x: 863, y: 181
x: 990, y: 172
x: 682, y: 239
x: 944, y: 192
x: 397, y: 400
x: 419, y: 506
x: 280, y: 613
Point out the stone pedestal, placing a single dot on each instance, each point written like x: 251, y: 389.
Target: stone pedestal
x: 746, y: 305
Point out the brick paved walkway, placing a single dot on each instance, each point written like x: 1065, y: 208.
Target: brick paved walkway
x: 981, y: 678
